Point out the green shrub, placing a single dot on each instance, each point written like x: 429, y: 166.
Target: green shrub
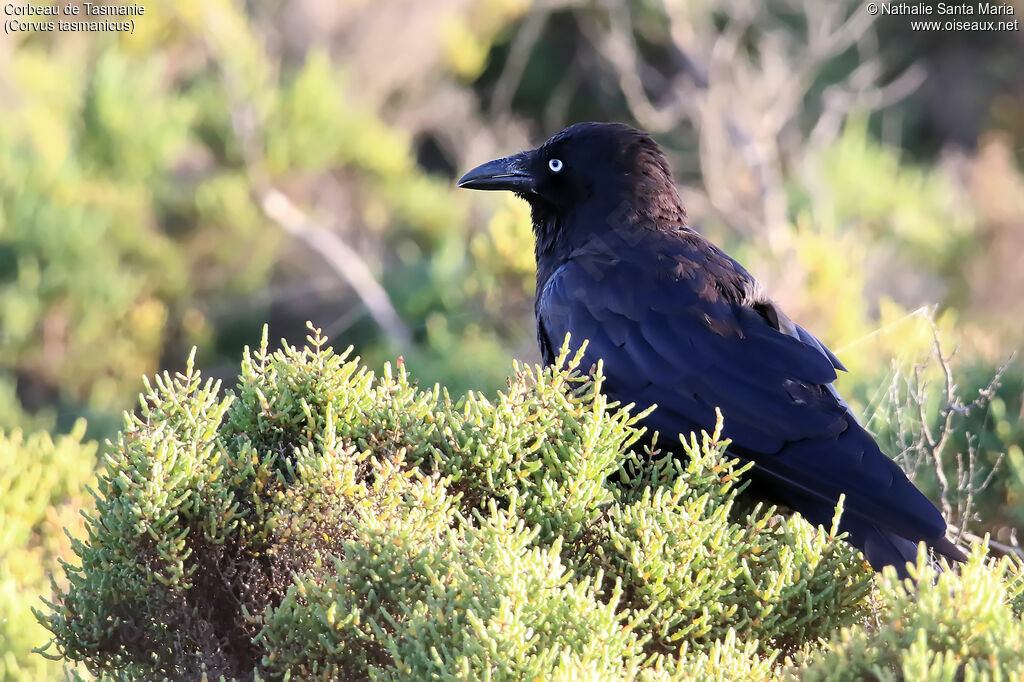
x: 952, y: 626
x: 42, y: 491
x: 324, y: 522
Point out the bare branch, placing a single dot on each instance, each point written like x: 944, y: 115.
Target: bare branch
x: 1001, y: 547
x: 342, y: 258
x: 921, y: 438
x: 561, y: 97
x: 986, y: 394
x: 518, y: 56
x: 618, y: 47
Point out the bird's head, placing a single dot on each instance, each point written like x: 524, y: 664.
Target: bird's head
x: 606, y: 166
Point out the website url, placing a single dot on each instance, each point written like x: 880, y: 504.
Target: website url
x: 955, y: 25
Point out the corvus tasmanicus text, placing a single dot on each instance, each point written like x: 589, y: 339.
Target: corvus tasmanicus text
x: 682, y: 325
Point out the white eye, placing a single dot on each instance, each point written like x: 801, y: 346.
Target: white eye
x: 556, y: 165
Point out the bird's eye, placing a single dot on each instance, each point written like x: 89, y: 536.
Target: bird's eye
x: 556, y: 165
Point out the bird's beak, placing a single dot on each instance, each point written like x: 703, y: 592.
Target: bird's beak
x: 510, y: 173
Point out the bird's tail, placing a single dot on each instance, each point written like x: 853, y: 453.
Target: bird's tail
x: 881, y: 546
x: 885, y: 548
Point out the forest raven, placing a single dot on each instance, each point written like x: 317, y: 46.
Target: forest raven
x: 682, y: 325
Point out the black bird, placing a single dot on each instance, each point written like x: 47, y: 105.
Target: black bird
x: 682, y: 325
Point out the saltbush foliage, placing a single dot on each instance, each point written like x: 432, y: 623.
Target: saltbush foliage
x: 42, y: 490
x: 964, y: 626
x: 324, y: 522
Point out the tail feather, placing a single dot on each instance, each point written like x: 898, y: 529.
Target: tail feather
x: 885, y: 548
x: 948, y: 549
x: 881, y: 546
x: 888, y: 549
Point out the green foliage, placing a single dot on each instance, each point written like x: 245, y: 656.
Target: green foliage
x: 966, y: 416
x: 913, y: 209
x: 697, y: 575
x: 433, y: 600
x: 13, y: 416
x: 324, y: 522
x: 997, y: 438
x: 131, y: 228
x: 88, y: 198
x: 130, y: 222
x: 962, y: 625
x: 42, y: 481
x: 315, y: 126
x: 468, y: 39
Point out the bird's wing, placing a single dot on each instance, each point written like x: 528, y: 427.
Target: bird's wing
x: 667, y: 336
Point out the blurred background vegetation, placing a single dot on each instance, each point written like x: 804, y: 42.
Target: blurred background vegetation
x: 233, y: 164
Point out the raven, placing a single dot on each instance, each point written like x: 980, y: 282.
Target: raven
x: 681, y: 325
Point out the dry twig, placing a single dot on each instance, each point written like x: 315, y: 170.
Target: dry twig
x: 342, y: 258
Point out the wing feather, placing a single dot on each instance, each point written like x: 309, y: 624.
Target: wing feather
x: 668, y: 342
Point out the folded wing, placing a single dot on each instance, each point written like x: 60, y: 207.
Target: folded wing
x: 668, y: 338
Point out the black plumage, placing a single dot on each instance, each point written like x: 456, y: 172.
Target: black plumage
x: 681, y: 325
